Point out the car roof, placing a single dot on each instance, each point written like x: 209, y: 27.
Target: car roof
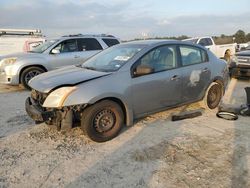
x: 154, y: 43
x: 192, y: 38
x: 88, y: 36
x: 149, y: 41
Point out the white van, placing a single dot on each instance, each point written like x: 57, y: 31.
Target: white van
x: 19, y: 40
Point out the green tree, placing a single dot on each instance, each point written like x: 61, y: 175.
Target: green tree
x: 223, y: 36
x: 248, y: 37
x: 240, y: 36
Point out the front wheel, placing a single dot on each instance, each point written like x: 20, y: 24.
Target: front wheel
x: 213, y: 96
x: 102, y: 121
x: 28, y: 74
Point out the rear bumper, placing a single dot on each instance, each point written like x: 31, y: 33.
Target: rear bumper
x: 36, y: 112
x: 241, y: 72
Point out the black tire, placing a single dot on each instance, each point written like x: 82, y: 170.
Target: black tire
x: 29, y: 73
x: 102, y: 121
x: 213, y: 95
x: 227, y: 115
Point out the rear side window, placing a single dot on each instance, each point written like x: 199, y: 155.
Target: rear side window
x: 87, y: 44
x: 111, y: 42
x: 192, y: 55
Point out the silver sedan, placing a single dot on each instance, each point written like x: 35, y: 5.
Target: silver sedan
x: 126, y: 82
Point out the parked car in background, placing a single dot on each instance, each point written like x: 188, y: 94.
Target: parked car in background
x: 126, y: 82
x: 246, y: 48
x: 19, y: 40
x: 242, y: 46
x: 242, y: 66
x: 221, y: 51
x: 68, y: 50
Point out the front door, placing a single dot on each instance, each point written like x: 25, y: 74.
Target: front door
x: 162, y: 87
x: 69, y: 54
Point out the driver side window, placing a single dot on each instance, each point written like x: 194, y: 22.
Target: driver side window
x: 67, y: 46
x: 160, y: 59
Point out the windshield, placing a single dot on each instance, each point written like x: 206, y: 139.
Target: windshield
x: 194, y: 41
x: 41, y: 48
x: 111, y: 59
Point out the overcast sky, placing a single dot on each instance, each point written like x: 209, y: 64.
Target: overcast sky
x: 127, y: 19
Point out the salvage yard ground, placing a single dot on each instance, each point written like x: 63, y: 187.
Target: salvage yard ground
x: 202, y: 152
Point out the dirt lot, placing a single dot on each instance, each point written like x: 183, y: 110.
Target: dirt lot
x: 202, y: 152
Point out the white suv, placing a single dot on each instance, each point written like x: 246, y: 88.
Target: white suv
x: 68, y: 50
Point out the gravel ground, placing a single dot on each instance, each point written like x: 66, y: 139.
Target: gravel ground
x: 202, y: 152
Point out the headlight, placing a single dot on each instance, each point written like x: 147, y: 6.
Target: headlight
x: 8, y: 61
x: 57, y: 97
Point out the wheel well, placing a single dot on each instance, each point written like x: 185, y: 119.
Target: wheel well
x: 221, y: 83
x: 216, y: 80
x: 120, y: 103
x: 226, y: 51
x: 40, y: 66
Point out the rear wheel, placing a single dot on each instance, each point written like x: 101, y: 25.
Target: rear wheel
x: 213, y: 95
x: 102, y: 121
x: 28, y: 74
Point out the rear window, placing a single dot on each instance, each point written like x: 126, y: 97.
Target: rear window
x: 111, y: 42
x: 206, y: 42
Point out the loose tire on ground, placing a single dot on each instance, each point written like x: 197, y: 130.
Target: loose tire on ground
x: 213, y: 96
x: 102, y: 121
x: 29, y: 73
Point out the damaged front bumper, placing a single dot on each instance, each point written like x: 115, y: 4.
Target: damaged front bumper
x: 36, y: 112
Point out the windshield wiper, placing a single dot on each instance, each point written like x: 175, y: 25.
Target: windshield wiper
x: 90, y: 68
x: 99, y: 70
x: 33, y: 51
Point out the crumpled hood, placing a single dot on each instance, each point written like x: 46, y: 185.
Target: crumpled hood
x: 70, y: 75
x: 243, y: 53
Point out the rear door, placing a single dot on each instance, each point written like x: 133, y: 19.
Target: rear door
x: 196, y: 72
x: 162, y: 87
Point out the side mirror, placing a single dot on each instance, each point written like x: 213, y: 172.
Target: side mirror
x: 143, y: 70
x: 55, y: 51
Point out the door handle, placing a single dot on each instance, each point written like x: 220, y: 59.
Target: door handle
x: 205, y: 70
x: 76, y: 56
x: 175, y: 77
